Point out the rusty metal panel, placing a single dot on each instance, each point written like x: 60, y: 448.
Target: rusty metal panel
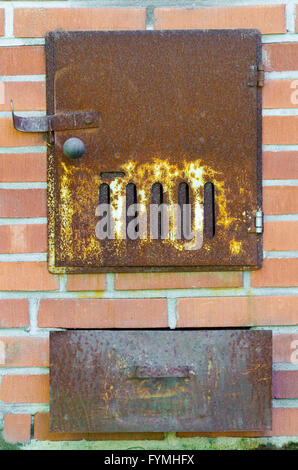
x: 175, y: 107
x: 114, y: 381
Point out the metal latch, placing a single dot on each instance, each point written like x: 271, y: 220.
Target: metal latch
x: 254, y: 220
x: 56, y: 122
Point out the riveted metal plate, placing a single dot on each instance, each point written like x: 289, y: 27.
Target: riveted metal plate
x: 114, y: 381
x: 175, y: 107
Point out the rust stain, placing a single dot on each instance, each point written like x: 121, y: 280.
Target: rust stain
x: 144, y: 176
x: 166, y: 173
x: 90, y: 295
x: 145, y: 390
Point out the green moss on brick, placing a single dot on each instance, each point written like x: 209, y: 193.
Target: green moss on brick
x: 171, y: 442
x: 7, y: 446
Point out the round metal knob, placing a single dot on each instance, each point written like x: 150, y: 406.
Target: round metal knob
x: 73, y: 148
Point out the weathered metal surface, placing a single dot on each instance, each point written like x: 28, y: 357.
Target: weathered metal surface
x: 176, y: 107
x: 57, y: 122
x: 114, y: 381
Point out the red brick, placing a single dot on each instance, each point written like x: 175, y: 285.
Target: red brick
x: 23, y: 203
x: 130, y: 281
x: 25, y: 389
x: 14, y: 313
x: 280, y: 236
x: 29, y: 167
x: 22, y: 60
x: 42, y: 433
x: 24, y: 352
x: 280, y: 94
x: 9, y: 137
x: 36, y: 22
x: 285, y: 348
x: 268, y: 19
x: 280, y: 200
x: 276, y: 273
x: 103, y: 313
x: 285, y: 384
x: 280, y: 57
x: 280, y: 165
x: 284, y: 423
x: 88, y: 282
x: 27, y: 276
x: 17, y: 428
x: 280, y: 130
x: 27, y: 96
x: 213, y: 312
x: 23, y: 238
x: 2, y: 13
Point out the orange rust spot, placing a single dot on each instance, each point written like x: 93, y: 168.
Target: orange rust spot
x: 235, y: 247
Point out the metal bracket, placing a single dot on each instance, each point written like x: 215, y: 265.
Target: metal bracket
x: 56, y: 122
x: 254, y: 220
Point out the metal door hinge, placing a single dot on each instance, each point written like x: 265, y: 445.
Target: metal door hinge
x: 56, y: 122
x: 261, y: 75
x: 256, y: 75
x: 254, y: 221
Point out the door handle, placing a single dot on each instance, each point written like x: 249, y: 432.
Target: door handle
x: 143, y: 372
x: 73, y: 148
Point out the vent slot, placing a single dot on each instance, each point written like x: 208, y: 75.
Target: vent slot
x: 209, y: 211
x: 132, y: 229
x: 185, y: 208
x: 157, y: 198
x: 105, y: 198
x: 112, y: 174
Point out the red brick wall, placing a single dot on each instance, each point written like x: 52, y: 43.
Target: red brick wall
x: 32, y: 301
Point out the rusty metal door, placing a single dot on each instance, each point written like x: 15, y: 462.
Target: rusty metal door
x: 179, y: 124
x: 116, y: 381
